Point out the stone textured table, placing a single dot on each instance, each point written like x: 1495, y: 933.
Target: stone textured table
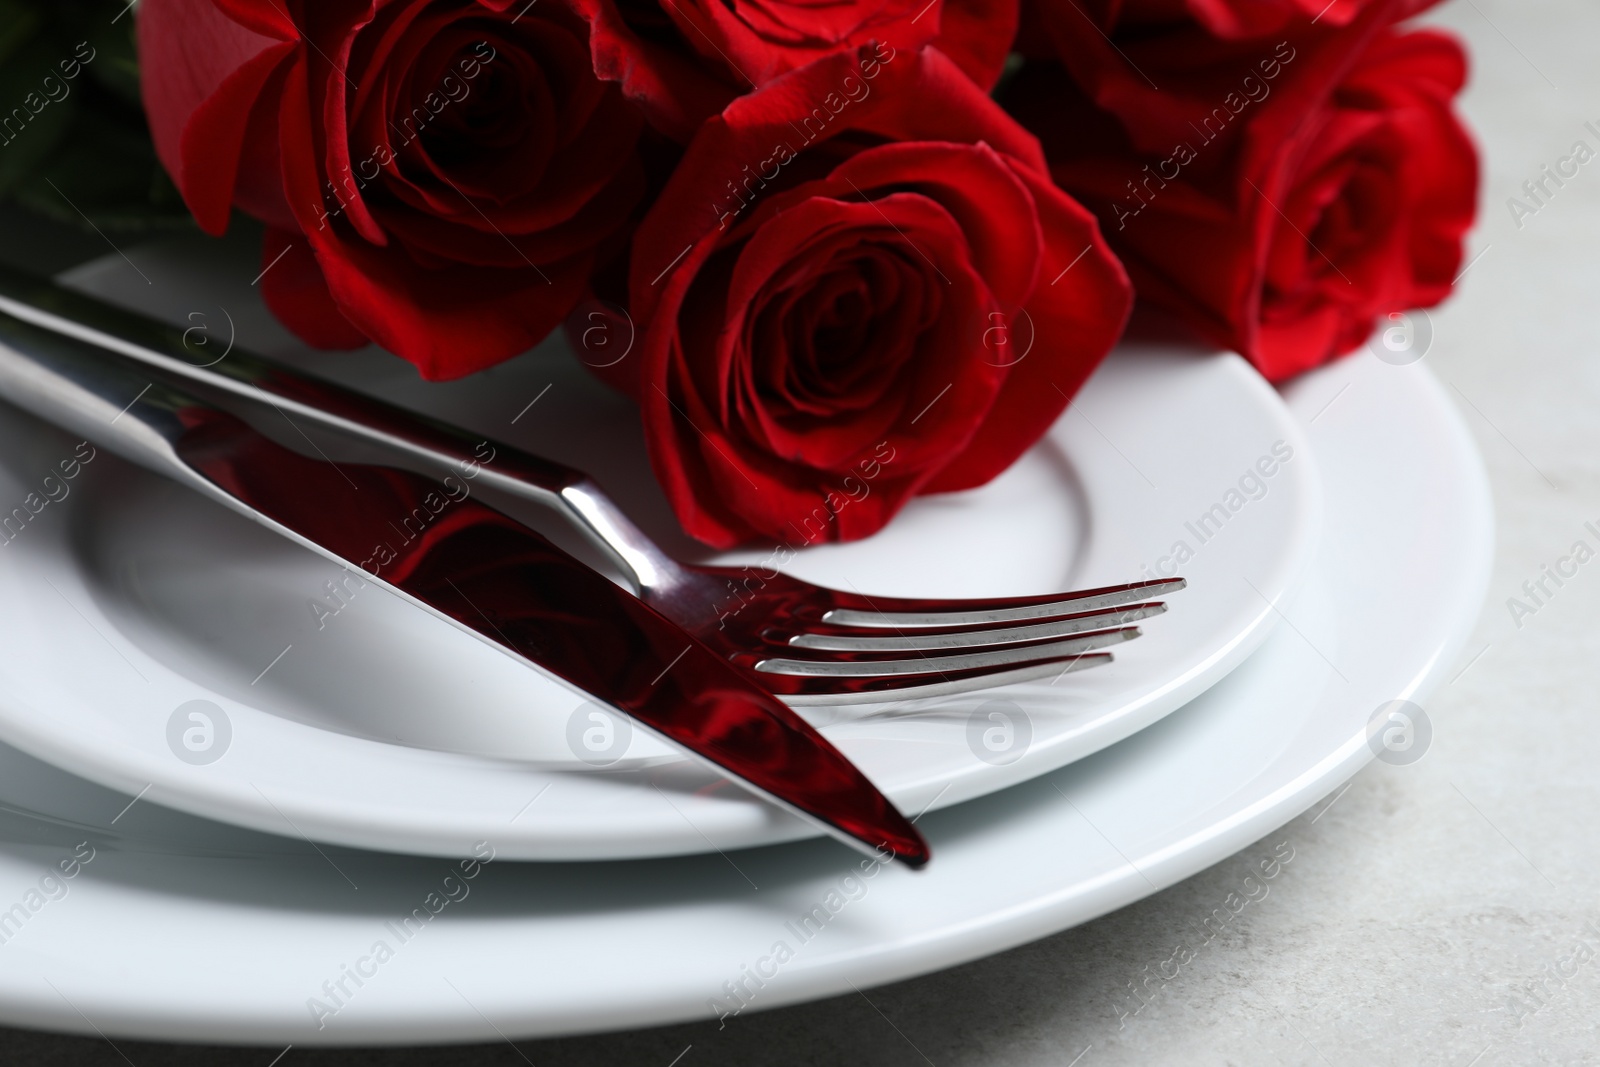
x: 1443, y: 913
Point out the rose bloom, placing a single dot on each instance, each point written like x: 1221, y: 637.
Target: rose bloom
x: 1328, y: 183
x: 437, y: 176
x: 859, y: 285
x: 683, y: 61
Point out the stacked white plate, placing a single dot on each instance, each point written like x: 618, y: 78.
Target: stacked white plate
x: 390, y: 822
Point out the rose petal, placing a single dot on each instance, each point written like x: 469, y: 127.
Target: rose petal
x: 203, y: 74
x: 294, y: 290
x: 1077, y: 312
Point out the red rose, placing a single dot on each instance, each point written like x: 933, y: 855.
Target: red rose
x: 859, y: 285
x: 435, y: 175
x: 683, y: 61
x: 1306, y: 203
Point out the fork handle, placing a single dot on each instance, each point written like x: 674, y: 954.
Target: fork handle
x: 257, y: 380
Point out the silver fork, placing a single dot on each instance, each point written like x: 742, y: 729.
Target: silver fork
x: 810, y: 644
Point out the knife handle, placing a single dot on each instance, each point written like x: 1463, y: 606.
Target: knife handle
x: 105, y: 401
x: 435, y: 445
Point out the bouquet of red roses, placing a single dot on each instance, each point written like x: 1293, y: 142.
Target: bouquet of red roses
x: 824, y: 244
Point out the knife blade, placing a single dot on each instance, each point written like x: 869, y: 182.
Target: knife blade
x: 429, y: 541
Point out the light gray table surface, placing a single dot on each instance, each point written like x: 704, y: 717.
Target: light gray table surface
x: 1426, y: 897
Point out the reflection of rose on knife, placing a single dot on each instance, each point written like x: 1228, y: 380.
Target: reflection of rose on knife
x: 414, y: 520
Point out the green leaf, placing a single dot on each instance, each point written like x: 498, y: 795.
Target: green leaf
x: 85, y: 160
x: 109, y: 173
x: 18, y: 23
x: 1013, y: 64
x: 116, y: 62
x: 32, y: 123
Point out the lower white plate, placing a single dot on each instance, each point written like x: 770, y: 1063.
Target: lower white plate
x: 182, y: 928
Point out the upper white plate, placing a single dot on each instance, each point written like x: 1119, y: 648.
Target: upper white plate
x: 358, y: 720
x: 540, y: 949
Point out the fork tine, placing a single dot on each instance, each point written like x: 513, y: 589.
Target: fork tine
x: 893, y: 613
x: 811, y: 692
x: 975, y: 638
x: 851, y: 667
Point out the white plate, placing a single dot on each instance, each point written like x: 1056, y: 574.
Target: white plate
x: 181, y: 928
x: 376, y: 725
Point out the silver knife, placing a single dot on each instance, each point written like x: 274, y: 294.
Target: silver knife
x: 430, y: 443
x: 431, y: 543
